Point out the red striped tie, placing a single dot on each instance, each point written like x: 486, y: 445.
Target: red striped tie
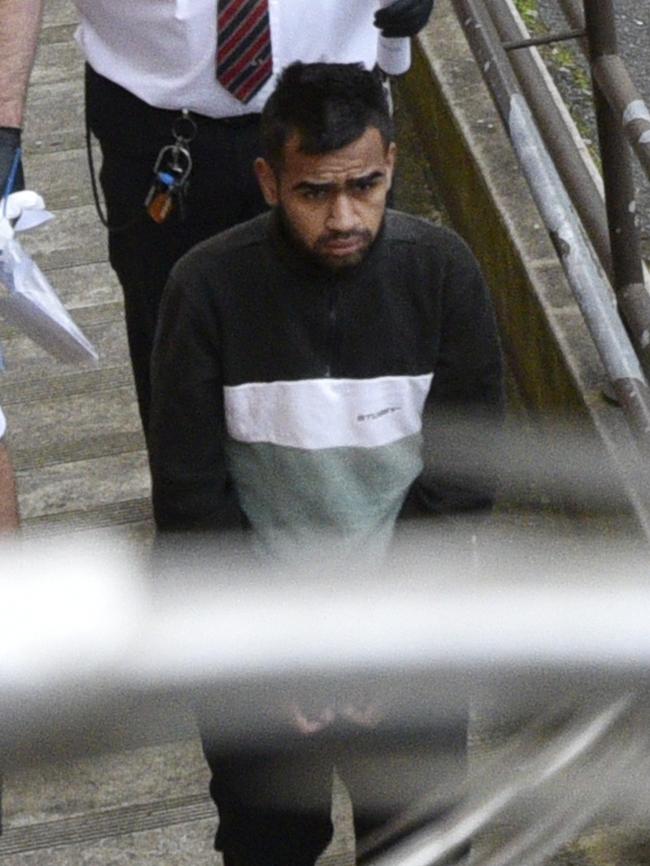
x: 244, y: 62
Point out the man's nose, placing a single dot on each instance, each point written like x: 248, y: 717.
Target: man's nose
x: 342, y: 216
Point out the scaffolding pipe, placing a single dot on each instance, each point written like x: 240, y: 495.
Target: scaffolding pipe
x: 612, y: 229
x: 614, y: 80
x: 585, y: 276
x: 442, y: 839
x: 625, y: 100
x: 574, y: 14
x: 627, y: 261
x: 583, y: 191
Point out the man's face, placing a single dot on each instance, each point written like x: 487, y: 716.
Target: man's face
x: 334, y: 202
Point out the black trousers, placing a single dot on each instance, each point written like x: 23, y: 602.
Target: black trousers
x: 275, y: 801
x: 223, y: 191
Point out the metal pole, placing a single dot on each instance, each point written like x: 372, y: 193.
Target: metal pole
x: 580, y: 185
x: 438, y: 842
x: 625, y: 100
x: 626, y: 272
x: 617, y: 86
x: 534, y: 41
x: 574, y: 15
x: 627, y: 261
x: 587, y: 280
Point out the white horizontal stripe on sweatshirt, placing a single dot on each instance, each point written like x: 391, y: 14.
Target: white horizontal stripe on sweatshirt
x: 327, y: 413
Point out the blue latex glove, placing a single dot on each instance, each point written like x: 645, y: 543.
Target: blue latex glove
x: 403, y: 17
x: 9, y: 147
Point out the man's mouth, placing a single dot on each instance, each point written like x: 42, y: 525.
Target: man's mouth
x: 344, y: 245
x: 342, y: 248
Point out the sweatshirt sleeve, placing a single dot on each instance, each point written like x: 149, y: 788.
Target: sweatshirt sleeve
x: 464, y: 410
x: 191, y: 487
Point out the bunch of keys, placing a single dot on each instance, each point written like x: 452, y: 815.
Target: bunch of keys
x: 171, y: 172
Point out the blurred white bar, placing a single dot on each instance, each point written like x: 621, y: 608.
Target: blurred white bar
x: 85, y: 615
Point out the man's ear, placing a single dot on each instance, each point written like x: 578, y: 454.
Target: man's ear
x: 391, y: 156
x: 267, y: 180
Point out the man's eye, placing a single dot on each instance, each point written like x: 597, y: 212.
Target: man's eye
x: 366, y: 184
x: 314, y: 194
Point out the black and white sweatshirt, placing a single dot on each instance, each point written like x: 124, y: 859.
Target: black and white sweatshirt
x: 295, y: 395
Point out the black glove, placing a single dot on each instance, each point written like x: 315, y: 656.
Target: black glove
x: 9, y: 144
x: 403, y: 17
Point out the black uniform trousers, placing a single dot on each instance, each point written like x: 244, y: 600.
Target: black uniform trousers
x: 222, y: 191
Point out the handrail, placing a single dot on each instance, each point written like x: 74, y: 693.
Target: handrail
x: 610, y: 72
x: 544, y: 102
x: 612, y: 229
x: 585, y: 276
x: 617, y: 171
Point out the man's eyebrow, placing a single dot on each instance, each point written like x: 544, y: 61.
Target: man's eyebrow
x: 366, y: 178
x: 313, y: 185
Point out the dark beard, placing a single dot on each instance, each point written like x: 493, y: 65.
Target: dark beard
x: 322, y: 260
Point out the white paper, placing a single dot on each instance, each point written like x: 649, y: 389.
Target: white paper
x: 31, y: 218
x: 27, y: 300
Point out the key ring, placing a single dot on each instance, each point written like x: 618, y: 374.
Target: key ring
x: 184, y: 128
x: 175, y: 154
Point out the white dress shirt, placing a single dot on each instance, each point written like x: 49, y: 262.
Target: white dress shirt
x: 163, y: 51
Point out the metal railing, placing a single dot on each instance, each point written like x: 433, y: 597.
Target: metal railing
x: 590, y: 236
x: 84, y: 631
